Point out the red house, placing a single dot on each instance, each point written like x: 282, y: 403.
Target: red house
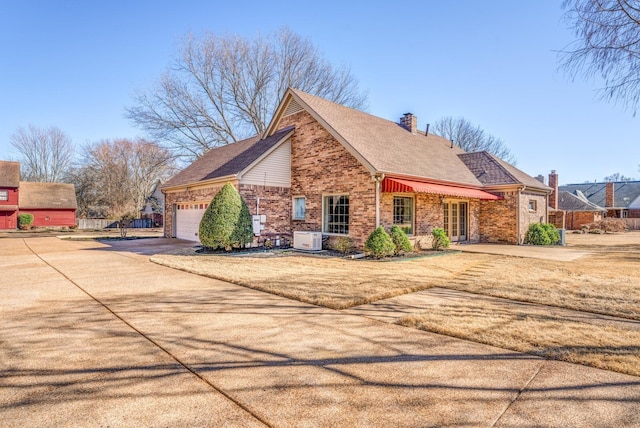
x: 51, y: 204
x: 9, y: 183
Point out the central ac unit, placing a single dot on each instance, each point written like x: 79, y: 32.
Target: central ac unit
x: 311, y: 241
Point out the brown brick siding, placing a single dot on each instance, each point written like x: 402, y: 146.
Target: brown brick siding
x: 557, y: 218
x: 275, y: 203
x: 576, y: 219
x: 498, y: 219
x: 528, y: 216
x: 321, y: 166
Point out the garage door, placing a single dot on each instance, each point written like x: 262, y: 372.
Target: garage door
x: 188, y: 221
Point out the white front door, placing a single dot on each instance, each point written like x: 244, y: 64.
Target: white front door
x: 188, y: 221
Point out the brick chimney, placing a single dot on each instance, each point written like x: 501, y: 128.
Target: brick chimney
x: 609, y: 195
x: 409, y: 122
x: 553, y: 196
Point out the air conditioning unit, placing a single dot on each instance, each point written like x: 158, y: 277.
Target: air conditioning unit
x: 311, y: 241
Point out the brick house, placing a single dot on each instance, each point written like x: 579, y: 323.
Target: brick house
x: 323, y: 167
x: 51, y: 204
x: 620, y: 199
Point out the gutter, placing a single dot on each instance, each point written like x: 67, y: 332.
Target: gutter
x: 204, y: 183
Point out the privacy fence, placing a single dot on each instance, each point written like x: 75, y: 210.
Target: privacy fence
x: 98, y: 223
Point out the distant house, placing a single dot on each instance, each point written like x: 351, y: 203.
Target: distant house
x: 621, y: 199
x: 51, y: 204
x: 322, y: 167
x: 154, y: 208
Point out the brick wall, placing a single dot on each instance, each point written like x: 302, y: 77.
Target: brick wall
x: 577, y: 219
x: 321, y: 166
x: 529, y: 216
x: 557, y: 218
x: 498, y: 219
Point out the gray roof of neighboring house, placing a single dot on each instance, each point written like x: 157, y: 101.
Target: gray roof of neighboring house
x: 9, y: 174
x: 46, y: 195
x: 493, y: 171
x: 226, y: 160
x: 625, y: 192
x: 569, y: 202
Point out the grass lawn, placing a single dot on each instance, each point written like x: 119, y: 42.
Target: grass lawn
x: 604, y: 282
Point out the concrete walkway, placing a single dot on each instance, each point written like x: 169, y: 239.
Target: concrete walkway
x: 95, y: 334
x: 561, y: 254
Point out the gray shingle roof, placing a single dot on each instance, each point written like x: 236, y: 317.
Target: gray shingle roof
x: 625, y: 192
x: 492, y: 171
x: 9, y: 174
x: 226, y: 160
x: 569, y: 202
x: 46, y: 195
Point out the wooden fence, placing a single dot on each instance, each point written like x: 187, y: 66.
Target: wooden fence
x: 632, y: 223
x: 99, y: 223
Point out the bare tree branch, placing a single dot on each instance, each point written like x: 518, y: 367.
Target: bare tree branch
x: 45, y: 154
x: 471, y: 138
x: 222, y: 89
x: 608, y: 46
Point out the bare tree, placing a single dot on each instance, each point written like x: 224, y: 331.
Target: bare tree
x: 45, y: 154
x: 617, y: 177
x: 472, y: 138
x: 608, y: 46
x: 222, y: 89
x: 120, y: 175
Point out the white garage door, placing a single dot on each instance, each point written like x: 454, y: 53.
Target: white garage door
x: 188, y: 222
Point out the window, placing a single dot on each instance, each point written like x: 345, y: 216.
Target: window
x: 403, y: 213
x: 4, y: 195
x: 336, y: 214
x: 299, y: 208
x: 533, y: 205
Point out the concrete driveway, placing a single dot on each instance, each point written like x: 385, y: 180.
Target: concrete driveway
x: 96, y: 335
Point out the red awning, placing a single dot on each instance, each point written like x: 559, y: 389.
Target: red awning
x: 391, y: 185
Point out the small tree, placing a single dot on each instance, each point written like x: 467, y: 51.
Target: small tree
x: 226, y: 223
x: 400, y: 240
x: 379, y: 243
x: 440, y: 238
x: 343, y: 244
x: 25, y: 221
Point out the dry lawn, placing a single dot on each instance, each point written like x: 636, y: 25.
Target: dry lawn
x: 604, y: 282
x: 331, y: 282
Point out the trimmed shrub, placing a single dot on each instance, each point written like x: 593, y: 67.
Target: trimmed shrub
x: 542, y: 234
x: 343, y: 244
x: 400, y: 240
x: 25, y: 221
x: 440, y: 238
x: 379, y: 243
x: 226, y: 223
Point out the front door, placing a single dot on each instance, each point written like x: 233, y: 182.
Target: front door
x: 456, y: 216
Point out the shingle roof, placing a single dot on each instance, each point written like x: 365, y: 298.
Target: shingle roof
x: 625, y: 192
x: 492, y: 171
x: 390, y: 148
x: 46, y: 195
x: 567, y: 201
x: 226, y: 160
x: 9, y: 174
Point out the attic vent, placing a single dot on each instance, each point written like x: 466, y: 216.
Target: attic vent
x: 292, y: 108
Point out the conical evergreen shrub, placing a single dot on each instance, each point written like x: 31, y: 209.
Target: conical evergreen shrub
x: 226, y: 223
x: 379, y: 243
x: 400, y: 240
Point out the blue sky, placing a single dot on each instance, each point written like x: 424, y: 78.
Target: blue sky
x: 76, y: 65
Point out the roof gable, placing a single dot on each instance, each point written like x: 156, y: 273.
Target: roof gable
x: 382, y: 145
x: 227, y: 160
x: 46, y: 195
x: 9, y: 174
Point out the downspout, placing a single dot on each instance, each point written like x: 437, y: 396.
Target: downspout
x: 378, y: 179
x: 518, y: 235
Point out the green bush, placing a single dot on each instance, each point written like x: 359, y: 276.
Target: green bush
x: 440, y: 238
x: 226, y: 223
x: 343, y: 244
x: 25, y: 221
x: 542, y: 234
x: 400, y: 240
x: 379, y: 243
